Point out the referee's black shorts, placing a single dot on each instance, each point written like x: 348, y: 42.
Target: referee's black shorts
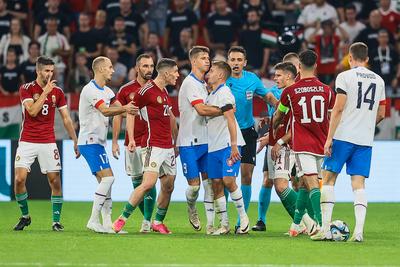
x: 249, y: 150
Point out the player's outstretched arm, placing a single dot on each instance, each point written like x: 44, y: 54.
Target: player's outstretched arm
x: 205, y: 110
x: 69, y: 126
x: 230, y: 117
x: 270, y: 99
x: 117, y: 110
x: 130, y: 128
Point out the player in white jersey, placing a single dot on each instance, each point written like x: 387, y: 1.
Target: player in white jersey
x: 359, y: 106
x: 224, y: 143
x: 94, y: 109
x: 192, y: 135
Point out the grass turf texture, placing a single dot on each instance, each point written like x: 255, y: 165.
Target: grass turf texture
x: 37, y: 245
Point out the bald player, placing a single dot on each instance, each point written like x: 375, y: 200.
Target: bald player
x: 95, y: 106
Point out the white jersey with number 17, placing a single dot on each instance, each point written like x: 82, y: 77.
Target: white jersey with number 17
x: 365, y: 91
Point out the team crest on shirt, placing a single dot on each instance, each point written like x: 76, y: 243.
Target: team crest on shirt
x: 53, y: 99
x: 36, y: 97
x: 17, y: 158
x: 131, y: 96
x: 153, y: 164
x: 159, y: 99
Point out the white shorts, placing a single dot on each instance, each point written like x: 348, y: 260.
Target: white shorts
x: 47, y: 155
x: 308, y: 164
x: 282, y: 167
x: 133, y: 162
x: 160, y: 160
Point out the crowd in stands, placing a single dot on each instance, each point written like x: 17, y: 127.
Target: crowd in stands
x: 74, y: 32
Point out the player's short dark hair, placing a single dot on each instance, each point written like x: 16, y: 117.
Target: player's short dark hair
x: 308, y: 59
x: 222, y: 65
x: 239, y: 49
x: 286, y: 67
x: 44, y: 61
x: 195, y: 50
x: 31, y: 43
x: 165, y: 63
x: 139, y: 58
x: 350, y: 6
x: 359, y: 51
x: 289, y: 56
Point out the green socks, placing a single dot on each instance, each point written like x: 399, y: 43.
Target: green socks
x: 128, y: 210
x: 315, y: 197
x: 160, y: 214
x: 136, y: 182
x: 310, y: 209
x: 22, y: 200
x: 56, y: 202
x: 301, y: 204
x: 288, y: 198
x: 149, y: 202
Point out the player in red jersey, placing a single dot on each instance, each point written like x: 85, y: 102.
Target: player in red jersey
x: 133, y: 160
x: 39, y: 100
x: 309, y: 101
x: 159, y: 156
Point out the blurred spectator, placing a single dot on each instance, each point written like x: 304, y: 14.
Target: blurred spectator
x: 120, y: 70
x: 109, y: 6
x: 156, y: 14
x: 122, y: 42
x: 53, y: 11
x: 351, y: 26
x: 260, y: 5
x: 312, y: 13
x: 16, y: 40
x: 177, y: 20
x: 369, y: 35
x: 390, y: 17
x: 28, y: 67
x: 222, y: 27
x: 101, y: 29
x: 80, y: 74
x: 5, y: 18
x: 153, y: 42
x: 286, y: 11
x: 250, y: 39
x: 55, y: 45
x: 18, y: 9
x: 84, y: 40
x: 181, y: 53
x: 135, y: 25
x: 384, y: 60
x: 10, y: 74
x: 327, y: 49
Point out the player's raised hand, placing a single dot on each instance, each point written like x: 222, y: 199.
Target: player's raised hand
x: 275, y: 151
x: 131, y: 108
x: 131, y: 146
x: 328, y: 148
x: 76, y: 149
x: 115, y: 150
x: 263, y: 141
x: 235, y: 154
x: 49, y: 86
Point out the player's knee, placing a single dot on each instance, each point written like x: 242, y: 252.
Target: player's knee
x: 279, y: 188
x: 19, y: 180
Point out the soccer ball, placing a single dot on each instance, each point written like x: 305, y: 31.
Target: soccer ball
x: 340, y: 231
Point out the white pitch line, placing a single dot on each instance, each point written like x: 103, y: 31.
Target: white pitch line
x: 65, y: 264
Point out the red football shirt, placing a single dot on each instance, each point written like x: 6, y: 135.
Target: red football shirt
x: 309, y: 100
x: 125, y: 95
x: 281, y: 131
x: 40, y: 129
x: 154, y: 105
x: 390, y: 20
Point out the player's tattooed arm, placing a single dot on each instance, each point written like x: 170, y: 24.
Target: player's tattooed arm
x: 69, y: 126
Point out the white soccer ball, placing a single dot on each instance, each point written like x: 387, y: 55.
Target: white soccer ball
x: 340, y: 230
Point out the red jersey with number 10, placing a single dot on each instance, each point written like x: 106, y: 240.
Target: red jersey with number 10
x: 40, y: 129
x: 154, y: 106
x: 124, y: 96
x: 309, y: 100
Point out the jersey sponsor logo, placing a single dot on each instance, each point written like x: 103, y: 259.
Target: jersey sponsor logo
x: 36, y: 97
x: 159, y: 99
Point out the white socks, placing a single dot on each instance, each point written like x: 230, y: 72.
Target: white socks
x: 209, y: 201
x: 192, y: 193
x: 238, y: 200
x: 107, y: 210
x: 100, y: 197
x: 327, y: 203
x: 360, y: 210
x: 220, y: 208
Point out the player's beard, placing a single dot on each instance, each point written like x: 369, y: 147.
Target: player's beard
x: 146, y: 76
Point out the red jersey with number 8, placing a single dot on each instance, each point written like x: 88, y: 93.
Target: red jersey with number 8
x: 309, y: 100
x: 154, y: 105
x: 40, y: 129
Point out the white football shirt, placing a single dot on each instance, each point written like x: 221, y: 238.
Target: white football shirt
x: 93, y: 124
x: 192, y: 126
x: 217, y: 127
x: 365, y: 91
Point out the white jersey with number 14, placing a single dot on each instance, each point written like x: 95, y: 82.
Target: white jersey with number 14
x: 365, y: 91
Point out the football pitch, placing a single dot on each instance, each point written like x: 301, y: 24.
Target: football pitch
x: 37, y: 245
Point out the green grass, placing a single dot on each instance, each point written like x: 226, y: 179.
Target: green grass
x: 37, y: 245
